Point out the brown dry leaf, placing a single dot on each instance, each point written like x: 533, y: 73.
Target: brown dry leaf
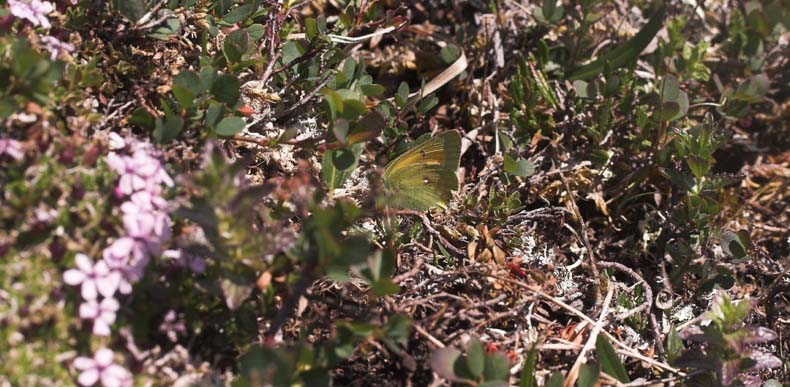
x: 471, y: 250
x: 264, y: 280
x: 597, y: 197
x: 499, y: 255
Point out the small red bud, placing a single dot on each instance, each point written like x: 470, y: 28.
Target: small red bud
x: 246, y: 111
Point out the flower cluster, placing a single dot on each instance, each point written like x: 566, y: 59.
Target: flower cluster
x: 11, y: 148
x: 101, y: 368
x: 36, y: 12
x: 145, y: 220
x: 146, y: 226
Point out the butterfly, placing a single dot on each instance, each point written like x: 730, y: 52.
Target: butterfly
x: 424, y: 176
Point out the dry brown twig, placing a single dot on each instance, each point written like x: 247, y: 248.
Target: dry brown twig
x: 573, y: 374
x: 626, y: 350
x: 647, y: 303
x: 428, y: 226
x: 585, y: 240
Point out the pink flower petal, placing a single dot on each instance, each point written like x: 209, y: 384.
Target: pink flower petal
x: 108, y: 284
x: 116, y: 162
x: 116, y: 141
x: 125, y: 287
x: 88, y: 377
x: 110, y: 304
x: 89, y: 291
x: 101, y: 269
x: 73, y: 277
x: 101, y: 328
x: 83, y: 363
x: 89, y: 310
x: 116, y: 376
x: 103, y: 357
x: 83, y: 263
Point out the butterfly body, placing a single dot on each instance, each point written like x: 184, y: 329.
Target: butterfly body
x: 424, y: 176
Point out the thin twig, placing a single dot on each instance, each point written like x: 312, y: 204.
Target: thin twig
x: 427, y: 335
x: 585, y: 239
x: 647, y: 304
x: 304, y: 99
x: 573, y: 374
x: 427, y: 223
x: 626, y: 349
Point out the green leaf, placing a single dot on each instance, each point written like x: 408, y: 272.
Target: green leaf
x: 427, y: 104
x: 372, y: 90
x: 262, y: 365
x: 256, y: 31
x: 132, y: 10
x: 674, y: 102
x: 449, y: 53
x: 475, y: 358
x: 497, y: 367
x: 142, y: 118
x: 548, y: 8
x: 166, y: 30
x: 754, y: 89
x: 528, y: 369
x: 230, y: 126
x: 555, y: 380
x: 403, y: 94
x: 332, y: 176
x: 384, y: 287
x: 610, y: 362
x: 521, y: 167
x: 735, y: 245
x: 291, y: 50
x: 625, y: 53
x: 343, y: 159
x: 213, y: 114
x: 238, y: 14
x: 186, y: 86
x: 334, y: 101
x: 588, y: 375
x: 397, y: 329
x: 349, y: 66
x: 674, y: 344
x: 310, y: 28
x: 168, y: 128
x: 236, y: 44
x: 443, y: 362
x: 236, y: 289
x: 226, y: 89
x: 352, y: 109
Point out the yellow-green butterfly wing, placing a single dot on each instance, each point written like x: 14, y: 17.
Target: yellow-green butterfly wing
x: 424, y: 176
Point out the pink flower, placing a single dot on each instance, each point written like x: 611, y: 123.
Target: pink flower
x: 102, y: 314
x: 151, y: 228
x: 12, y: 148
x: 56, y: 47
x: 129, y: 257
x: 172, y: 326
x: 35, y: 11
x: 131, y: 180
x: 116, y: 141
x: 143, y: 201
x: 95, y: 279
x: 139, y: 172
x: 101, y: 368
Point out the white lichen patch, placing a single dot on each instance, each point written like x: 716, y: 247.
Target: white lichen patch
x: 683, y: 313
x: 529, y: 252
x: 357, y: 186
x: 283, y: 156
